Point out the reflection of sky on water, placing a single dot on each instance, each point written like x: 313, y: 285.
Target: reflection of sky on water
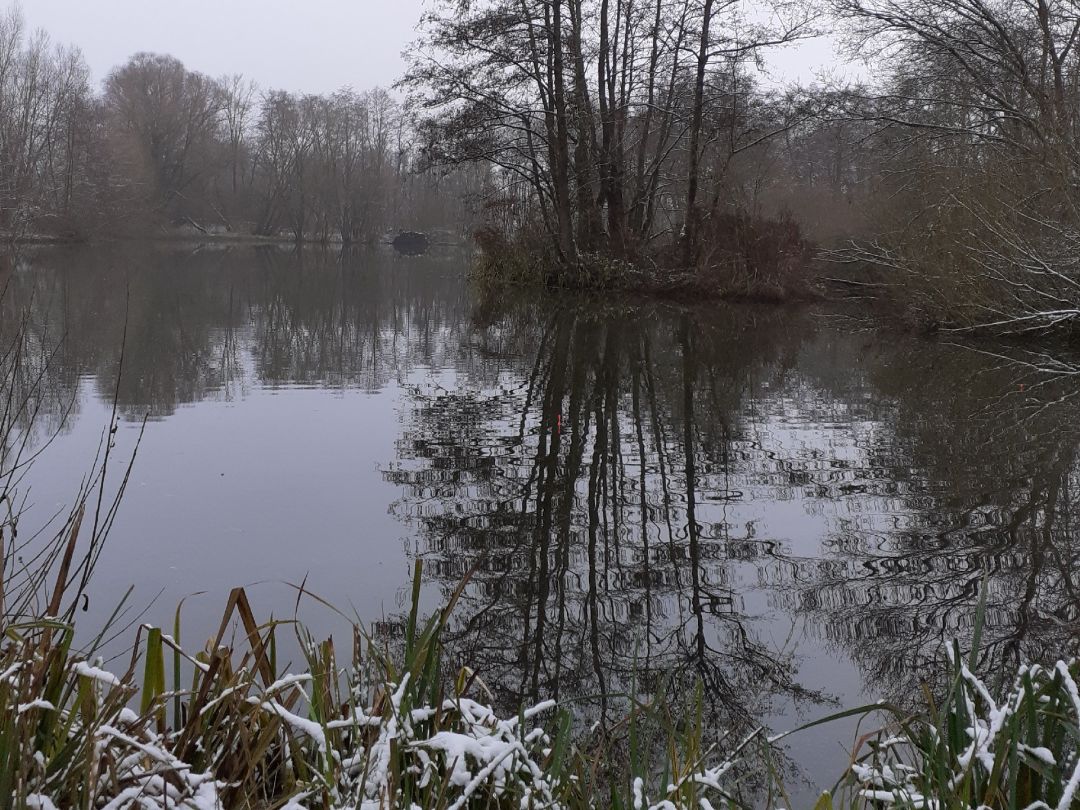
x: 326, y: 419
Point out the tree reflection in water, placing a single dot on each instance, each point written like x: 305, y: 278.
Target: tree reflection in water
x: 978, y: 478
x: 727, y: 493
x: 601, y: 498
x: 590, y: 497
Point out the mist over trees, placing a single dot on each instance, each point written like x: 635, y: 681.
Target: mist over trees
x: 600, y: 142
x: 45, y: 132
x: 165, y: 147
x: 641, y: 131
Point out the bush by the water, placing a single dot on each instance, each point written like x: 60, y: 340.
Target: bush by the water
x: 755, y: 256
x: 741, y: 255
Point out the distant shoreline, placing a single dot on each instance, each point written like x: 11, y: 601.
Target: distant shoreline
x: 237, y: 238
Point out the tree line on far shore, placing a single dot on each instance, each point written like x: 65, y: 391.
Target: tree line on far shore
x: 163, y: 147
x: 606, y: 143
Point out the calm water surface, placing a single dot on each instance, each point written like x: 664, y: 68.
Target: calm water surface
x: 795, y: 512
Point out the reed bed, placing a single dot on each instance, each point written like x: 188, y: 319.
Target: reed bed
x: 225, y: 728
x: 973, y: 749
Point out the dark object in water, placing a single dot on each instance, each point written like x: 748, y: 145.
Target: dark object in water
x: 411, y: 243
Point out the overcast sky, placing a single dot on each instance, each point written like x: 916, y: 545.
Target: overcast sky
x: 298, y: 45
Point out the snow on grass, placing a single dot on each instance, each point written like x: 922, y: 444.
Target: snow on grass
x: 100, y: 675
x: 976, y: 749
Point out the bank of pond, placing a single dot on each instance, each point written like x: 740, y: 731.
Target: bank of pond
x: 393, y: 726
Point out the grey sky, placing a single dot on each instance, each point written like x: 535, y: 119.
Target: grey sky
x: 298, y: 45
x: 309, y: 45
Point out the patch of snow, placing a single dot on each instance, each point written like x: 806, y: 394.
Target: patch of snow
x: 87, y: 671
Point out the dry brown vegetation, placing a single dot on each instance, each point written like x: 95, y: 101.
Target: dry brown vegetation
x: 977, y: 227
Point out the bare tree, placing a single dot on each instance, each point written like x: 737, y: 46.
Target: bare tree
x: 590, y: 114
x: 981, y: 115
x: 238, y: 96
x: 44, y: 96
x: 171, y: 119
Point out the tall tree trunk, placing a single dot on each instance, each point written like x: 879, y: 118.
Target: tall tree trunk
x: 560, y: 140
x: 691, y: 222
x: 637, y: 206
x: 585, y: 164
x: 606, y: 92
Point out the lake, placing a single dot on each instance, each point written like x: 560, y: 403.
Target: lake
x: 793, y: 509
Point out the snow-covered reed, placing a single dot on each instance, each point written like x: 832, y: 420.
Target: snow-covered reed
x: 225, y: 728
x: 977, y: 749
